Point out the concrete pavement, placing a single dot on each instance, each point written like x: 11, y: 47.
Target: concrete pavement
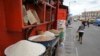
x: 91, y: 42
x: 90, y: 46
x: 69, y: 49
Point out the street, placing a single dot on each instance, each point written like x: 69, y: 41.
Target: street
x: 91, y: 42
x: 90, y: 46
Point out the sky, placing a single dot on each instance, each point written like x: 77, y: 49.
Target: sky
x: 78, y: 6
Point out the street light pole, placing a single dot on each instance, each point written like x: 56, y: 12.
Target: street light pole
x: 85, y: 14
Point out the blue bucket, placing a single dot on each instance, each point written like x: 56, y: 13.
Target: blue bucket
x: 46, y: 43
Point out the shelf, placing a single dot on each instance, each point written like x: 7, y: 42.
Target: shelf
x: 29, y: 26
x: 48, y: 4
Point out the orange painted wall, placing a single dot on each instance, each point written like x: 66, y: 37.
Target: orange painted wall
x: 62, y: 14
x: 13, y: 12
x: 6, y: 38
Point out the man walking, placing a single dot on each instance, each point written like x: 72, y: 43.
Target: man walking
x: 88, y: 23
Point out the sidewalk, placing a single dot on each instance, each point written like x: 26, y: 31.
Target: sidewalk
x: 68, y: 48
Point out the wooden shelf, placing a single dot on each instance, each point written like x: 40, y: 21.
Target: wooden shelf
x: 48, y: 4
x: 29, y: 26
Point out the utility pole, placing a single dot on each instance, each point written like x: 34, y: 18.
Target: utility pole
x: 85, y: 14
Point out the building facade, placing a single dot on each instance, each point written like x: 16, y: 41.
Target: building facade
x: 91, y: 14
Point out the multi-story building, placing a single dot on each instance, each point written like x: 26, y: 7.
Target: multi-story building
x: 91, y: 14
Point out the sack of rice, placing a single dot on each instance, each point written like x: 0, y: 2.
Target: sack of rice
x: 31, y: 17
x: 25, y: 48
x: 25, y: 17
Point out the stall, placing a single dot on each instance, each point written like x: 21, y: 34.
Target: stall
x: 21, y: 19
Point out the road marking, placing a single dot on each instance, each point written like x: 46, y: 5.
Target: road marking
x: 76, y: 51
x: 76, y: 47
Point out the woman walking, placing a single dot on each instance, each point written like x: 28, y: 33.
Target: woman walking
x: 81, y: 32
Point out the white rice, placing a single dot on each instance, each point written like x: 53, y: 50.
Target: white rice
x: 25, y: 48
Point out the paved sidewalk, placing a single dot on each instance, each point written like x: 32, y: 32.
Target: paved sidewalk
x: 68, y: 48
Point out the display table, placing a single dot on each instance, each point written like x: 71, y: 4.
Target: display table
x: 51, y: 50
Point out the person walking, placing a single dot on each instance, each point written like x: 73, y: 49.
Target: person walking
x: 61, y: 35
x: 81, y: 32
x: 88, y: 23
x: 69, y: 22
x: 84, y: 23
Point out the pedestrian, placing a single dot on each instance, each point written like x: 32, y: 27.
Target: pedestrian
x: 81, y: 32
x: 88, y: 23
x: 69, y: 22
x: 84, y: 23
x: 61, y: 35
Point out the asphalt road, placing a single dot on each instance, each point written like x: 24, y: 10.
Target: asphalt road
x: 91, y: 41
x: 90, y: 46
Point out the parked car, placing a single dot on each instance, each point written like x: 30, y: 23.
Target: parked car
x: 97, y: 22
x: 75, y: 20
x: 91, y: 21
